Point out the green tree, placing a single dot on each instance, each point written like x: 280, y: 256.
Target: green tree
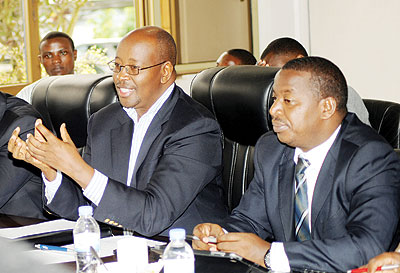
x: 12, y: 63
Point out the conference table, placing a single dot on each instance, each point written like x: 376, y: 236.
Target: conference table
x: 205, y: 261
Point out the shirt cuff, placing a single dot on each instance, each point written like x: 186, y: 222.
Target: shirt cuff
x: 51, y: 187
x: 96, y: 187
x: 278, y: 258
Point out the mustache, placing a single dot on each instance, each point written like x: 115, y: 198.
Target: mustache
x: 279, y: 120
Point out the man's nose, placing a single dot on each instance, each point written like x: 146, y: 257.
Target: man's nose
x: 123, y: 74
x: 56, y: 58
x: 275, y: 108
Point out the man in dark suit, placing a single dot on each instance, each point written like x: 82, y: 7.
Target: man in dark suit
x: 20, y: 183
x: 326, y: 189
x: 152, y: 160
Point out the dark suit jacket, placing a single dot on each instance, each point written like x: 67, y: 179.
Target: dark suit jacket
x: 355, y: 207
x: 177, y: 176
x: 20, y: 183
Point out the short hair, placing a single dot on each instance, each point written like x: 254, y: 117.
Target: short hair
x: 284, y: 46
x: 243, y: 55
x: 57, y: 34
x: 326, y: 77
x: 167, y: 46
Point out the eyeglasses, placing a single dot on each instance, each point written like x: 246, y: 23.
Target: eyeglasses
x: 130, y: 69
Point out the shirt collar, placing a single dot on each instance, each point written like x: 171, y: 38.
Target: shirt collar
x: 154, y: 108
x: 316, y: 155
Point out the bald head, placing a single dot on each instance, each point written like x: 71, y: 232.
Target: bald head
x: 164, y: 44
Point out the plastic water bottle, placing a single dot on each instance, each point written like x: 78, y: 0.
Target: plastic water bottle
x: 86, y: 235
x: 178, y: 256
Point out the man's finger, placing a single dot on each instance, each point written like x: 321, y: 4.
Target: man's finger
x: 46, y: 133
x: 13, y: 139
x: 64, y: 134
x: 35, y: 147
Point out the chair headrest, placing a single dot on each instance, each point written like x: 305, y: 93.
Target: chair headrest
x: 72, y: 99
x: 384, y: 117
x: 239, y: 97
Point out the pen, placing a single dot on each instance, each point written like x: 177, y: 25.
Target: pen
x: 211, y: 239
x: 57, y: 248
x: 380, y: 268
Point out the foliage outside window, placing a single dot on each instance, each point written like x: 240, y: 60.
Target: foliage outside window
x: 97, y: 17
x: 12, y: 62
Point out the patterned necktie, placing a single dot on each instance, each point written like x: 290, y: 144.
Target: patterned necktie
x: 302, y: 231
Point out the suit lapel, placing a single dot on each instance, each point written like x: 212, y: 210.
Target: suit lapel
x: 286, y: 191
x: 121, y: 140
x: 153, y: 131
x: 327, y: 175
x: 323, y: 187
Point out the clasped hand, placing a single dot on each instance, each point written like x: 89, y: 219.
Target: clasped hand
x: 247, y: 245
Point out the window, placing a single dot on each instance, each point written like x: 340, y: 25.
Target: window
x: 88, y: 22
x: 12, y: 56
x: 96, y: 27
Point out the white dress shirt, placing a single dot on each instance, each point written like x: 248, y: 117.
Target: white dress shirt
x: 316, y: 157
x: 97, y: 185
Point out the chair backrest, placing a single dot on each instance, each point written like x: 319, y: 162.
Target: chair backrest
x: 72, y: 99
x: 384, y: 117
x: 239, y: 97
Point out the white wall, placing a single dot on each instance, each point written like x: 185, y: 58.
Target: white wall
x: 361, y: 36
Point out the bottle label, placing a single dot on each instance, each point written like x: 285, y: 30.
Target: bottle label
x: 179, y: 266
x: 83, y: 242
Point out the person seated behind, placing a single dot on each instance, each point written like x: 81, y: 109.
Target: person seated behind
x: 20, y: 183
x: 57, y: 55
x: 236, y: 57
x: 152, y: 161
x: 335, y: 209
x: 282, y: 50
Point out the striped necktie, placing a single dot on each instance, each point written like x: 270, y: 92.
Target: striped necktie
x: 302, y: 231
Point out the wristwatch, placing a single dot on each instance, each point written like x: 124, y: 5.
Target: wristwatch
x: 267, y: 259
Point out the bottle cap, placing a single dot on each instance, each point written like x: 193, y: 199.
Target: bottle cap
x: 85, y: 211
x: 177, y: 234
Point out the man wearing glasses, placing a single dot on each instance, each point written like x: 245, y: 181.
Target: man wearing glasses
x: 152, y: 160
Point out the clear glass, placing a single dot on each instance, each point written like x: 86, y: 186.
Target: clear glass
x: 12, y: 54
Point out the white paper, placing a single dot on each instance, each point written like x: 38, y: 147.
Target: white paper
x: 56, y: 225
x: 107, y: 247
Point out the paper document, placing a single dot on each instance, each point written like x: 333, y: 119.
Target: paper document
x: 107, y: 247
x: 56, y: 225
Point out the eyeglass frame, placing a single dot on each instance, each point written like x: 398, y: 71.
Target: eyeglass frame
x: 138, y: 68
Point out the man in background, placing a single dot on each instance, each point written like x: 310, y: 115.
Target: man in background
x: 152, y: 161
x: 57, y: 55
x: 282, y: 50
x: 236, y: 57
x: 326, y: 189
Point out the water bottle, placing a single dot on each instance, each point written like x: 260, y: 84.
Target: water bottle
x: 178, y: 256
x: 86, y: 235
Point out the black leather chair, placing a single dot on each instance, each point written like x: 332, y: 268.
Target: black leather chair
x: 239, y: 97
x: 384, y: 117
x: 72, y: 99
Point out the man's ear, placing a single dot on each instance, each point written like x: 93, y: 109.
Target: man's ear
x: 328, y: 107
x: 167, y: 70
x: 40, y: 58
x: 75, y: 54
